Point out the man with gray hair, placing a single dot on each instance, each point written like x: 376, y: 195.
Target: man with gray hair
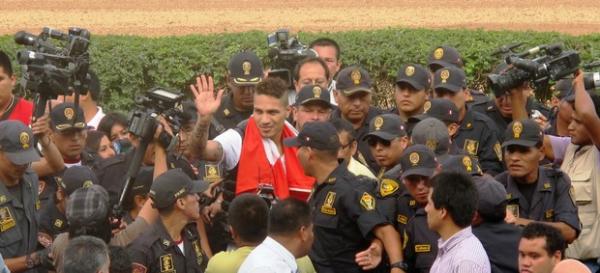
x: 87, y: 254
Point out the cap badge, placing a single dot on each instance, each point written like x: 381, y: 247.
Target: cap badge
x: 468, y: 163
x: 317, y: 91
x: 24, y: 139
x: 409, y: 71
x: 431, y: 144
x: 69, y: 113
x: 355, y: 76
x: 414, y: 158
x: 87, y: 184
x: 426, y: 106
x: 438, y: 53
x: 246, y: 67
x: 378, y: 122
x: 444, y: 75
x: 517, y: 129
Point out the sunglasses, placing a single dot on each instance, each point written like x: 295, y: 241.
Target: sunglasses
x: 372, y: 141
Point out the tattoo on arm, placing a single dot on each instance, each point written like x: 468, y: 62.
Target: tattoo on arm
x: 200, y: 137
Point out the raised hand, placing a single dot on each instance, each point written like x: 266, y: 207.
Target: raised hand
x: 204, y: 98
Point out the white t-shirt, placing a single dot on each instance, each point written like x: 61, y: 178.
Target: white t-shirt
x: 96, y: 119
x: 269, y: 257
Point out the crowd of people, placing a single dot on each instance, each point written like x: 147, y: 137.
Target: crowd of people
x: 262, y: 176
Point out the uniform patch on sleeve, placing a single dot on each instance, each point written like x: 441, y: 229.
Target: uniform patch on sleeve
x: 367, y: 201
x: 388, y: 187
x: 424, y: 248
x: 138, y: 268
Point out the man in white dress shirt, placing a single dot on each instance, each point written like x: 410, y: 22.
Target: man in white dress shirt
x: 290, y: 237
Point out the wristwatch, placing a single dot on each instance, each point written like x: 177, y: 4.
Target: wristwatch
x: 402, y: 265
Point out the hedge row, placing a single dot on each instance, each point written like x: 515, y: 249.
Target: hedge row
x: 128, y: 65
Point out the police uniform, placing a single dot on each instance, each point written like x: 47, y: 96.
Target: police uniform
x: 155, y: 250
x: 244, y: 69
x: 18, y: 223
x: 419, y: 243
x: 551, y: 199
x: 52, y: 223
x: 417, y: 76
x: 476, y: 134
x: 351, y: 80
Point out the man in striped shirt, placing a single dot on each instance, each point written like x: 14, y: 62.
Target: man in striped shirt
x: 452, y: 202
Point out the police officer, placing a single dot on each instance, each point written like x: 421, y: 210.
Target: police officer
x: 433, y: 134
x: 172, y: 244
x: 345, y: 214
x: 52, y: 218
x: 18, y: 196
x: 419, y: 242
x: 312, y: 104
x: 442, y: 109
x: 447, y: 56
x: 387, y: 139
x: 244, y: 71
x: 354, y: 91
x: 413, y: 86
x: 535, y: 193
x: 476, y: 134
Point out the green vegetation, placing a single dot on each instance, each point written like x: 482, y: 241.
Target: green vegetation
x: 128, y: 65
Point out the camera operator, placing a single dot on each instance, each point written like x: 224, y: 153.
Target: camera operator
x: 89, y: 102
x: 11, y: 106
x: 580, y: 159
x: 244, y: 71
x: 329, y: 51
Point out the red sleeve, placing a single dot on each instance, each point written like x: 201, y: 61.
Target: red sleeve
x: 22, y: 111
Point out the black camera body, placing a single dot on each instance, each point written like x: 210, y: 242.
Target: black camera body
x: 155, y: 102
x: 54, y: 68
x: 285, y: 53
x: 554, y: 65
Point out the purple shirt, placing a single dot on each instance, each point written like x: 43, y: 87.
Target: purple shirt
x: 461, y: 253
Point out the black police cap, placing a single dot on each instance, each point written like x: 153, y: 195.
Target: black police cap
x: 523, y: 133
x: 173, y: 184
x: 415, y: 75
x: 313, y: 94
x: 64, y: 116
x: 386, y: 126
x: 353, y: 79
x: 444, y: 56
x: 320, y: 135
x: 418, y: 160
x: 450, y: 78
x: 245, y: 68
x: 441, y: 109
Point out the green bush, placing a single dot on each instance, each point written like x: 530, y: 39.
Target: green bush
x: 128, y: 65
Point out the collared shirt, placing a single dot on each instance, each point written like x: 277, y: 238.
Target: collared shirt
x: 269, y: 257
x: 357, y: 169
x: 461, y: 253
x: 96, y: 118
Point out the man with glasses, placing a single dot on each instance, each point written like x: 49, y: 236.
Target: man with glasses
x: 348, y: 147
x: 309, y: 71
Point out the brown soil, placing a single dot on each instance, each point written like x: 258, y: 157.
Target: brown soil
x: 170, y: 17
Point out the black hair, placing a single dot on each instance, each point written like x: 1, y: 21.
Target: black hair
x: 94, y: 86
x: 101, y: 230
x: 120, y: 262
x: 342, y: 125
x: 248, y: 216
x: 92, y: 142
x: 273, y: 87
x: 324, y: 41
x: 307, y: 61
x: 288, y: 216
x: 109, y: 120
x: 456, y: 193
x: 5, y: 63
x: 86, y: 254
x: 554, y: 239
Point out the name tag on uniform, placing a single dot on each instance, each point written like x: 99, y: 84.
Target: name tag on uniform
x: 402, y: 219
x: 328, y: 207
x: 422, y: 248
x: 6, y: 219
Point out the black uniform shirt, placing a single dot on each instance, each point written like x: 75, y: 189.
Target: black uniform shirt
x: 551, y: 200
x: 154, y: 251
x: 226, y: 117
x: 18, y: 223
x: 478, y: 137
x: 501, y: 242
x: 344, y: 214
x: 419, y: 243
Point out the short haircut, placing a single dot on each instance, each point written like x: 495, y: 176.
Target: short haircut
x: 248, y: 216
x: 342, y: 125
x: 273, y: 87
x: 120, y: 262
x: 92, y: 142
x: 324, y: 41
x: 310, y: 60
x: 5, y: 63
x: 456, y: 193
x: 109, y: 120
x: 94, y: 86
x: 86, y: 254
x: 288, y: 216
x: 554, y: 239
